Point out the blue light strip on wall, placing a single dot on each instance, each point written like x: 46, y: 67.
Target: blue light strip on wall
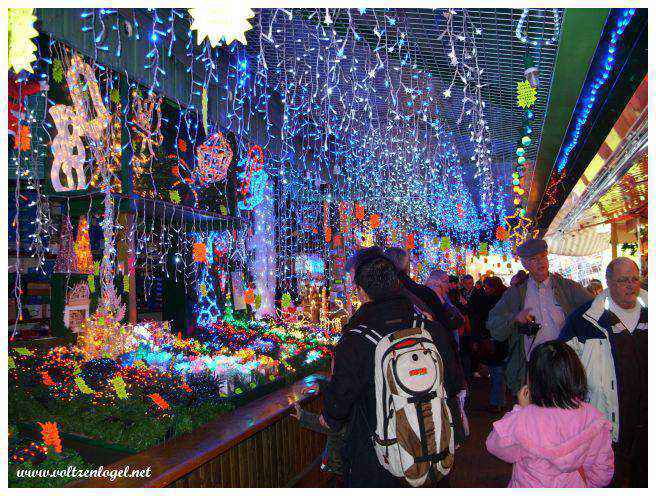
x: 589, y: 94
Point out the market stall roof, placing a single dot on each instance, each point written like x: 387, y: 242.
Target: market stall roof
x: 612, y: 188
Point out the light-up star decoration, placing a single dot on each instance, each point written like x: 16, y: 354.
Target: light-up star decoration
x: 223, y: 24
x: 526, y: 94
x: 20, y: 33
x: 253, y: 179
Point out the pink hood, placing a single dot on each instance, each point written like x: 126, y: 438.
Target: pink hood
x: 549, y: 445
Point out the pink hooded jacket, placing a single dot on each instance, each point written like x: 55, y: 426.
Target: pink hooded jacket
x: 548, y: 446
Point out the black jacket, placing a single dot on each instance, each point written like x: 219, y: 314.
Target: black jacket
x: 349, y: 396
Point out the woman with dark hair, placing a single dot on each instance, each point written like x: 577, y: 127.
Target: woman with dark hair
x: 553, y: 437
x: 494, y: 352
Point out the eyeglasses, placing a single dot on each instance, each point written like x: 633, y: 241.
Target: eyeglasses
x: 625, y: 281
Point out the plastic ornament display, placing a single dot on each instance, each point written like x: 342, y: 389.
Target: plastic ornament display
x: 20, y: 33
x: 223, y: 24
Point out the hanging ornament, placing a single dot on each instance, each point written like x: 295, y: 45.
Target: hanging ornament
x: 20, y: 33
x: 57, y: 71
x: 531, y: 72
x: 222, y: 24
x: 214, y: 157
x: 526, y: 94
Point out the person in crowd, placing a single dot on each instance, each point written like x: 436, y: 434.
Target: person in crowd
x: 553, y: 437
x: 609, y: 334
x: 534, y: 311
x: 440, y: 304
x: 467, y: 286
x: 428, y: 300
x: 475, y: 298
x: 496, y: 352
x: 594, y: 287
x: 519, y: 278
x: 479, y: 285
x: 349, y: 396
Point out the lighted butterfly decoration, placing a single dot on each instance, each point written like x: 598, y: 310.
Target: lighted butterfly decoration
x: 253, y: 179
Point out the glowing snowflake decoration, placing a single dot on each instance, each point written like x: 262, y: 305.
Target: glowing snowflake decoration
x: 21, y: 32
x: 222, y: 25
x: 526, y: 94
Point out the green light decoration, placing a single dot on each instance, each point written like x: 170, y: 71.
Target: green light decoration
x: 526, y: 141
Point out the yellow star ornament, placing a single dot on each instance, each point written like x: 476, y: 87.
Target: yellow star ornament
x: 222, y: 25
x: 526, y: 94
x: 20, y: 33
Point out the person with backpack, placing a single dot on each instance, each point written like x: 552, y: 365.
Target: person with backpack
x: 394, y: 386
x: 553, y: 437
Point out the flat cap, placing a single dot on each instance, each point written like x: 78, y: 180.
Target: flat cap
x: 531, y: 247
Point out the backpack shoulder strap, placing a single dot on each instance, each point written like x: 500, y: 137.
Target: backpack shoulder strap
x: 367, y: 333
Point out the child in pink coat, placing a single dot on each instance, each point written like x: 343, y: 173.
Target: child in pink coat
x: 553, y: 438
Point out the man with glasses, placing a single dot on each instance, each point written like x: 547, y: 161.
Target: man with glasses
x: 610, y: 336
x: 534, y: 310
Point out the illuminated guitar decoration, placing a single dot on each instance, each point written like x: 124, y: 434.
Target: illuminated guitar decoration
x: 72, y: 123
x: 253, y: 179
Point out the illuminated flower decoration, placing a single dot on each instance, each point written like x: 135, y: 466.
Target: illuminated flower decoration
x: 21, y: 46
x: 214, y: 157
x: 501, y: 233
x: 526, y: 94
x: 223, y: 24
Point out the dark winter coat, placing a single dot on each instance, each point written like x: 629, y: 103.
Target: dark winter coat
x: 349, y: 396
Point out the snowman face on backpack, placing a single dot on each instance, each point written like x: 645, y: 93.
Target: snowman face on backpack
x: 414, y: 367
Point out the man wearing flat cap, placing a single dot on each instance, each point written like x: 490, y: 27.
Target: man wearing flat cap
x: 534, y: 311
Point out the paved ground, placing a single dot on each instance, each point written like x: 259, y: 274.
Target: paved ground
x: 474, y: 466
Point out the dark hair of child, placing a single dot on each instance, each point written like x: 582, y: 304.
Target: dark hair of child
x: 556, y: 376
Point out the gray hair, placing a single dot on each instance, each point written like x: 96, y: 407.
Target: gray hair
x: 616, y: 261
x: 396, y: 255
x: 436, y: 274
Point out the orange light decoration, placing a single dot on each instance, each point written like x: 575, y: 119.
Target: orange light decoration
x: 374, y: 221
x: 50, y: 435
x: 410, y: 242
x: 200, y: 253
x: 83, y: 248
x: 329, y: 234
x: 501, y: 233
x: 159, y: 401
x: 359, y: 211
x: 47, y: 380
x: 249, y: 296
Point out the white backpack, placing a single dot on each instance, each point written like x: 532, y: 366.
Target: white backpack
x: 414, y: 428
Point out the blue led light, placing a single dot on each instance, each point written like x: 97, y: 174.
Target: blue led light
x: 586, y: 102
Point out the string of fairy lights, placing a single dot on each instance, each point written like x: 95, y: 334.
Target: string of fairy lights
x: 340, y: 139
